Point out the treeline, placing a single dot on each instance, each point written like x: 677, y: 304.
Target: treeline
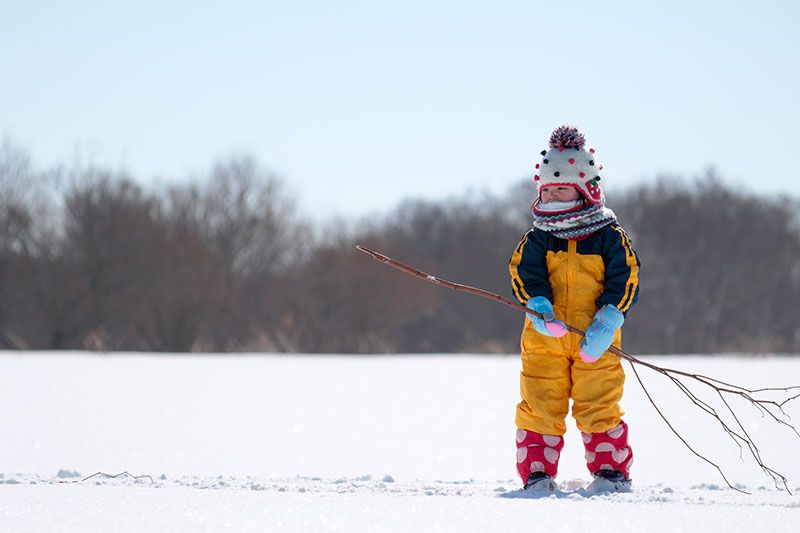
x: 89, y: 259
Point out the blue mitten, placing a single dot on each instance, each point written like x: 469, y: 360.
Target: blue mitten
x: 600, y: 333
x: 548, y: 325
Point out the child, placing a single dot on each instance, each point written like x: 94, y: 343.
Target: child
x: 576, y: 266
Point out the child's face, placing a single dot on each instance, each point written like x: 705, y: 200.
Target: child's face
x: 557, y: 193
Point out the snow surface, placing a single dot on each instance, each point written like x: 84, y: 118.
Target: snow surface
x: 333, y: 443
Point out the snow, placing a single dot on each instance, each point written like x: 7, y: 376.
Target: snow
x: 358, y: 443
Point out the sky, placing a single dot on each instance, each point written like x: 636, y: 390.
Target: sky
x: 358, y: 105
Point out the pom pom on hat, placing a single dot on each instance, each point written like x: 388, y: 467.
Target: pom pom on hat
x: 567, y: 136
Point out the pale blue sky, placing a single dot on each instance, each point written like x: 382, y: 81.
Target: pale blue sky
x: 360, y: 104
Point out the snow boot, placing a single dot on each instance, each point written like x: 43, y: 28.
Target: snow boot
x: 537, y: 453
x: 609, y: 481
x: 540, y: 482
x: 609, y: 450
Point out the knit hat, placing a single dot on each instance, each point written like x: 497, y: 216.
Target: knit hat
x: 566, y: 163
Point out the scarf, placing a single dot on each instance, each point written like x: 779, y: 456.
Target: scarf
x: 571, y: 220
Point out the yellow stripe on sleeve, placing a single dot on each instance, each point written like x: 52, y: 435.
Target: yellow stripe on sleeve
x: 633, y: 278
x: 513, y: 268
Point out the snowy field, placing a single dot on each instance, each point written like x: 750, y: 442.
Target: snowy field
x: 309, y: 443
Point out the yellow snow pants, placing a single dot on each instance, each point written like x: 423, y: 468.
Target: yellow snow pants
x: 553, y: 372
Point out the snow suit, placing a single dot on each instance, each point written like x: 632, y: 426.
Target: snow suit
x: 578, y: 277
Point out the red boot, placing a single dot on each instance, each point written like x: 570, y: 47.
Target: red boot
x: 537, y: 453
x: 609, y: 451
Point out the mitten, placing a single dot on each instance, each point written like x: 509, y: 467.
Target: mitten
x: 548, y: 325
x: 600, y: 333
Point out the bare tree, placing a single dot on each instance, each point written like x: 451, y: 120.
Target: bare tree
x: 110, y: 253
x: 717, y: 268
x: 247, y: 221
x: 28, y: 234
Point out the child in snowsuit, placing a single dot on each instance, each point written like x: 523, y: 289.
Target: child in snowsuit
x: 576, y: 266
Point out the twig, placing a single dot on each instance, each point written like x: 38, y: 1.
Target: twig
x: 664, y: 418
x: 721, y: 388
x: 112, y: 476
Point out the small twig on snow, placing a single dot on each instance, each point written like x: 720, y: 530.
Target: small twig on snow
x: 103, y: 474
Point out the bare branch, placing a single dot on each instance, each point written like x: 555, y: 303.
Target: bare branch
x: 112, y: 476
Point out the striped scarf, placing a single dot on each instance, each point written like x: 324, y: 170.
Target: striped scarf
x: 571, y: 220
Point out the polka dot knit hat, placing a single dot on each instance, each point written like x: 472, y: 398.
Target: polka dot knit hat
x: 566, y: 163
